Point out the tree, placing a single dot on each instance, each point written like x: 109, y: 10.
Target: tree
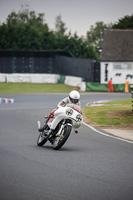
x: 94, y: 36
x: 23, y: 31
x: 80, y: 48
x: 60, y: 27
x: 124, y: 23
x: 26, y: 30
x: 25, y: 16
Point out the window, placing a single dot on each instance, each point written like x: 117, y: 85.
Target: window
x: 128, y: 66
x: 117, y: 67
x: 123, y: 66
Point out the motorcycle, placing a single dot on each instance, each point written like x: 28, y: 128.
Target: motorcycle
x: 64, y: 121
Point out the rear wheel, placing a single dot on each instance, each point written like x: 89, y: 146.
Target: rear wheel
x: 61, y: 139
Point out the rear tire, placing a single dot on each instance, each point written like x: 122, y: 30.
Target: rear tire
x: 58, y: 143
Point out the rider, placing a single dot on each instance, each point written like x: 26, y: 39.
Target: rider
x: 73, y: 98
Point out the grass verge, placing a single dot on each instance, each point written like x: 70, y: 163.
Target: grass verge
x: 114, y: 114
x: 17, y: 88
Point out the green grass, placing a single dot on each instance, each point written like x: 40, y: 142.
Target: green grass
x: 115, y: 113
x: 17, y: 88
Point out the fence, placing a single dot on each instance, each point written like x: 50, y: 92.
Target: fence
x: 51, y: 62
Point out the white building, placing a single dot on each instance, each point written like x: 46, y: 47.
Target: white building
x: 117, y: 56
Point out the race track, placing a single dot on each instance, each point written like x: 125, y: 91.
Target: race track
x: 89, y: 166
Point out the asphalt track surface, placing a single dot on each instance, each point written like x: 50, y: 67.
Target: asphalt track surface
x: 90, y: 166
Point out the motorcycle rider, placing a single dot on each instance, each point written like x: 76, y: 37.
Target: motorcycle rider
x: 73, y: 98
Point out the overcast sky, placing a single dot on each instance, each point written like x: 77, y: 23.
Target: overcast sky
x: 78, y: 15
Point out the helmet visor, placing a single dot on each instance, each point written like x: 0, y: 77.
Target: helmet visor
x: 74, y: 100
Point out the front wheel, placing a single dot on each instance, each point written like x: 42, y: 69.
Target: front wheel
x: 41, y: 139
x: 62, y: 138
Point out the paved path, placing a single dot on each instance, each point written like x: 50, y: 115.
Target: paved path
x: 126, y: 134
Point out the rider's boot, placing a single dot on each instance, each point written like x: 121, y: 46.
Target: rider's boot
x: 41, y: 129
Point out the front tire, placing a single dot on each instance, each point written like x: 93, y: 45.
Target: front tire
x: 41, y: 139
x: 60, y: 140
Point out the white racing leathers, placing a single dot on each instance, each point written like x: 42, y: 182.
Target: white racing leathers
x: 66, y: 102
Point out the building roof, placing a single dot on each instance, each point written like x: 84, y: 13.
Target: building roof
x: 117, y: 45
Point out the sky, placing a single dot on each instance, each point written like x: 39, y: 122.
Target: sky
x: 78, y: 15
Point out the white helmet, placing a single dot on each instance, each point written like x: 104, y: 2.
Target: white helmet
x: 74, y: 96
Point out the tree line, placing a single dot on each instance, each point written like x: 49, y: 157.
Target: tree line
x: 26, y: 30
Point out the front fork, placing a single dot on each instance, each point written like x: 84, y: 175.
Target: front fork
x: 61, y: 128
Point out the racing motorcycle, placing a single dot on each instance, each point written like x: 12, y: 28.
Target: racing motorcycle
x: 64, y: 121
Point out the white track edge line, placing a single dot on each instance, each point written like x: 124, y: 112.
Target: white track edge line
x: 105, y: 134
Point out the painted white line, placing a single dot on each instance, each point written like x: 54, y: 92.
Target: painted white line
x: 105, y: 134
